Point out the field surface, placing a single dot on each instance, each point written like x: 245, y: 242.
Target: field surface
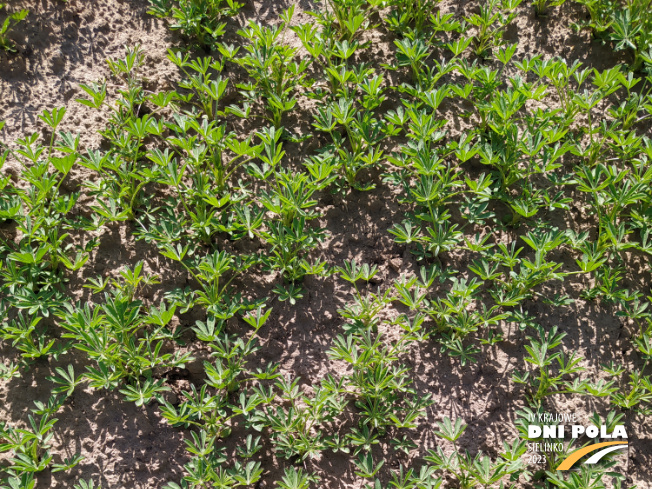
x: 298, y: 254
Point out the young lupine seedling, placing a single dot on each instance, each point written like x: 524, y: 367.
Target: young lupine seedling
x: 600, y: 16
x: 478, y: 471
x: 124, y: 341
x: 203, y: 21
x: 632, y: 29
x: 206, y: 408
x: 10, y: 205
x: 350, y: 17
x: 522, y: 283
x: 626, y: 24
x: 355, y: 130
x: 87, y: 484
x: 336, y: 58
x: 10, y: 21
x: 203, y: 177
x: 210, y: 410
x: 638, y: 396
x: 206, y: 89
x: 491, y: 22
x: 436, y: 183
x: 296, y: 479
x: 201, y: 163
x: 380, y: 384
x: 364, y: 309
x: 31, y: 341
x: 273, y: 66
x: 31, y: 447
x: 415, y: 52
x: 407, y: 14
x: 46, y: 219
x: 597, y: 475
x: 519, y: 149
x: 561, y: 75
x: 123, y: 170
x: 541, y: 6
x: 289, y: 198
x: 550, y: 381
x: 10, y: 371
x: 455, y: 316
x: 296, y: 429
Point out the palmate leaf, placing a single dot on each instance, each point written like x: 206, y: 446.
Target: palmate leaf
x: 295, y: 479
x: 143, y: 394
x: 456, y: 348
x: 448, y: 431
x: 208, y: 331
x: 29, y: 257
x: 96, y: 92
x: 12, y: 19
x: 53, y: 118
x: 25, y: 481
x: 625, y: 31
x: 247, y: 475
x: 486, y: 472
x: 24, y: 463
x: 406, y: 233
x: 102, y: 377
x: 89, y: 484
x: 111, y: 210
x: 68, y: 463
x: 66, y: 380
x: 291, y: 292
x: 366, y: 466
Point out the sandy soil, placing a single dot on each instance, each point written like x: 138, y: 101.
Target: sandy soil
x: 64, y: 44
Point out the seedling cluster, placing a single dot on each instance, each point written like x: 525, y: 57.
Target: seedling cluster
x: 522, y: 180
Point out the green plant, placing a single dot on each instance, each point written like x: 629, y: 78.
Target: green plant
x: 632, y: 28
x: 541, y: 6
x: 471, y: 472
x: 31, y: 447
x: 520, y: 183
x: 35, y: 265
x: 124, y: 342
x: 296, y: 430
x: 411, y: 14
x: 355, y: 131
x: 491, y: 22
x: 289, y: 199
x: 203, y: 21
x: 10, y: 21
x: 349, y: 17
x: 600, y: 15
x: 296, y: 479
x: 550, y: 382
x: 379, y: 382
x: 272, y: 65
x: 122, y: 168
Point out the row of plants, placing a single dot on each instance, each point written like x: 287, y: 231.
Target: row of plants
x: 198, y: 178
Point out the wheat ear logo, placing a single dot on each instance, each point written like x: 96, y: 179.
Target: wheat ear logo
x: 607, y: 447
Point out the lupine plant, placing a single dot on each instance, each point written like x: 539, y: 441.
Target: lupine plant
x: 202, y: 21
x: 274, y: 68
x: 10, y: 21
x: 510, y: 186
x: 43, y: 211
